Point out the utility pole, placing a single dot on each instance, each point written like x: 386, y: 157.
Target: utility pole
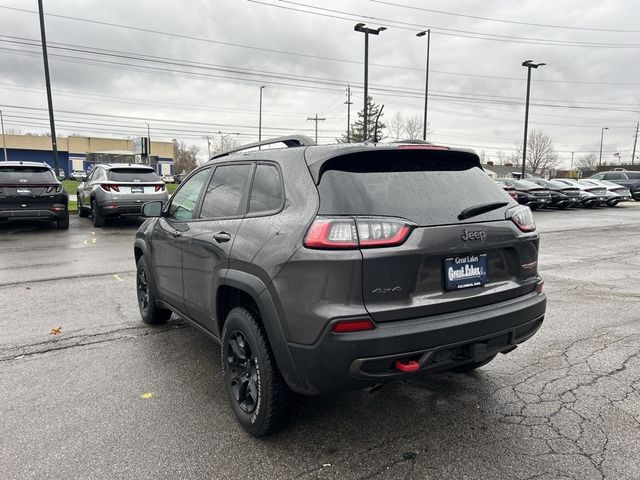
x: 601, y: 139
x: 633, y: 155
x: 426, y: 84
x: 316, y: 119
x: 348, y: 103
x: 571, y: 168
x: 208, y: 146
x: 45, y: 58
x: 148, y: 144
x: 360, y: 27
x: 4, y: 142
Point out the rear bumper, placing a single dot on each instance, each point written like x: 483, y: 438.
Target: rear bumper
x: 113, y: 208
x: 33, y: 214
x: 356, y: 360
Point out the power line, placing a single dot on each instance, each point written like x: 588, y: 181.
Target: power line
x: 409, y: 92
x: 502, y: 20
x: 442, y: 30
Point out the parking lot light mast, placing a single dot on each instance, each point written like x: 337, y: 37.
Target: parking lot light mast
x: 529, y: 64
x: 45, y: 58
x: 260, y: 119
x: 426, y: 83
x: 148, y: 144
x: 601, y: 139
x: 361, y: 27
x: 4, y: 142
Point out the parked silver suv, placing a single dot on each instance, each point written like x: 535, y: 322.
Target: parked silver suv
x: 118, y: 189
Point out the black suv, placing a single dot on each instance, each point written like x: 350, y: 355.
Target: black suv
x: 325, y: 268
x: 31, y: 191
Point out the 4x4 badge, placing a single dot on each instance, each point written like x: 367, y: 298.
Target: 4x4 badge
x: 474, y: 236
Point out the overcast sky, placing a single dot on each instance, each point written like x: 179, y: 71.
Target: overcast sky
x: 209, y: 59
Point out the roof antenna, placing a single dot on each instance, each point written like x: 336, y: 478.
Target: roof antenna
x: 375, y: 128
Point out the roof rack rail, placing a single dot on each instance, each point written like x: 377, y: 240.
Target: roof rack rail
x: 289, y: 141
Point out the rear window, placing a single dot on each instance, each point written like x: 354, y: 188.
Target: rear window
x: 525, y: 184
x: 633, y: 175
x: 428, y: 188
x: 31, y: 174
x: 132, y: 175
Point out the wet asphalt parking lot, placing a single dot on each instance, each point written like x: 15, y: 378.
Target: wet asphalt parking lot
x: 88, y: 391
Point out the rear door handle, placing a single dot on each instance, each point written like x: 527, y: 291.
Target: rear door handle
x: 221, y: 237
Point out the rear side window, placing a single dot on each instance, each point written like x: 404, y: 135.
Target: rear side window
x: 11, y: 174
x: 633, y: 175
x: 132, y: 175
x: 426, y: 187
x: 226, y: 191
x: 613, y: 176
x: 266, y: 194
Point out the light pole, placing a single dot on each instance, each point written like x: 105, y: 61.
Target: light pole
x: 360, y: 27
x: 426, y: 82
x: 4, y: 142
x: 601, y: 139
x: 529, y: 64
x: 260, y: 119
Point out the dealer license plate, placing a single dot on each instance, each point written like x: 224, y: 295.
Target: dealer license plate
x: 23, y: 191
x: 465, y: 271
x: 137, y: 189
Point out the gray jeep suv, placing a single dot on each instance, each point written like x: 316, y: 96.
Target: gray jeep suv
x: 326, y: 268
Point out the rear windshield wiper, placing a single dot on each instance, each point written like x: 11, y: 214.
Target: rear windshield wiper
x: 478, y: 209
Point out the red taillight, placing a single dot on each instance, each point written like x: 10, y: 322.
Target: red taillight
x: 57, y: 209
x: 539, y: 287
x: 522, y: 217
x: 159, y: 187
x: 363, y: 232
x: 358, y: 325
x: 108, y: 187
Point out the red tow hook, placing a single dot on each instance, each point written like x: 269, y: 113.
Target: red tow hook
x: 410, y: 366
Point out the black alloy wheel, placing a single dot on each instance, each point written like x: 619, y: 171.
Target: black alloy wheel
x: 143, y: 291
x: 243, y: 371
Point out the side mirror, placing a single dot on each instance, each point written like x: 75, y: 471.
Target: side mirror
x: 152, y: 209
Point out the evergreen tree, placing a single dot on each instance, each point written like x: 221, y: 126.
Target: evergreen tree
x: 357, y: 127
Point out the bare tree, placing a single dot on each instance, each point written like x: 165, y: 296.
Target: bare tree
x: 186, y: 157
x: 413, y: 127
x: 541, y: 155
x: 226, y: 142
x: 502, y: 157
x: 587, y: 163
x: 396, y: 126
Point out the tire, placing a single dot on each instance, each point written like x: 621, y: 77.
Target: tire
x: 151, y: 314
x: 98, y: 220
x: 470, y: 367
x: 259, y: 397
x: 63, y: 222
x: 81, y: 211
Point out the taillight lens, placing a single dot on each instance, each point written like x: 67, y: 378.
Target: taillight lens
x: 523, y: 218
x: 159, y: 187
x: 357, y: 325
x: 108, y: 187
x: 358, y: 232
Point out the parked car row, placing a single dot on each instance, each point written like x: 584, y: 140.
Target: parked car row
x: 564, y: 193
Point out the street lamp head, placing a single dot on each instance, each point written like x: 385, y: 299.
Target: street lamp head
x: 531, y: 64
x: 359, y: 27
x: 421, y: 34
x: 381, y: 29
x: 605, y: 128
